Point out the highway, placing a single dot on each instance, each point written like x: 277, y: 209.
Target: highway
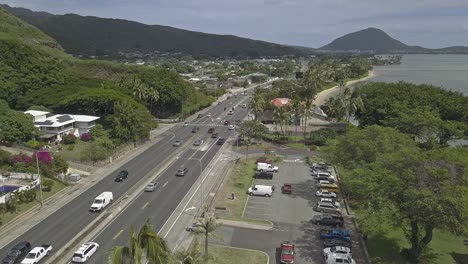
x: 63, y: 225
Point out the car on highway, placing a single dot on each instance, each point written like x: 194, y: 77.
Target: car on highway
x: 151, y: 186
x: 208, y: 115
x: 123, y: 175
x: 244, y: 106
x: 37, y: 254
x: 227, y: 122
x: 287, y: 252
x: 231, y: 127
x: 337, y: 249
x: 85, y: 252
x: 186, y: 124
x: 211, y: 130
x: 195, y: 227
x: 17, y: 253
x: 230, y: 112
x: 221, y: 141
x: 325, y: 194
x: 195, y: 129
x: 214, y: 135
x: 198, y: 142
x: 181, y: 171
x: 177, y: 143
x: 200, y: 116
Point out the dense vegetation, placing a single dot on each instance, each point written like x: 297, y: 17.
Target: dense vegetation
x: 99, y: 36
x: 35, y: 71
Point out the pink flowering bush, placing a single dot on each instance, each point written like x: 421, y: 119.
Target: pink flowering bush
x: 86, y: 136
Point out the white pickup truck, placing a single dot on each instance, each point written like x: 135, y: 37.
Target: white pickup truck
x: 37, y: 254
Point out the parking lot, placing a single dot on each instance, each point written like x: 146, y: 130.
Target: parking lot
x: 291, y: 215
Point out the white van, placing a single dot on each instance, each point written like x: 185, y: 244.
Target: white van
x: 103, y: 200
x: 261, y: 190
x: 266, y: 167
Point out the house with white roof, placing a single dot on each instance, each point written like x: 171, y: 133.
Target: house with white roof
x: 57, y: 126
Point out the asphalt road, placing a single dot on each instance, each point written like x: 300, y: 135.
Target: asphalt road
x: 65, y: 223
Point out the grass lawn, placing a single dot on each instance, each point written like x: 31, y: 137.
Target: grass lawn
x: 241, y: 179
x: 75, y: 153
x: 228, y: 255
x: 386, y: 247
x: 24, y: 207
x: 297, y: 146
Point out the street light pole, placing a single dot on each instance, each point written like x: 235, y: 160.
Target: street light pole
x: 40, y: 178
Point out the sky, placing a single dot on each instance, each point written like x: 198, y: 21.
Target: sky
x: 310, y: 23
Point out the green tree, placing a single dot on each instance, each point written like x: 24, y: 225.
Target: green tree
x: 15, y: 126
x: 98, y: 131
x: 147, y: 245
x: 130, y: 124
x: 249, y: 130
x: 191, y: 255
x: 282, y: 116
x: 99, y: 149
x: 208, y: 225
x: 47, y: 185
x: 257, y: 104
x: 415, y: 190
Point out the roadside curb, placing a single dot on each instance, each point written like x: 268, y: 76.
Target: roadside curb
x: 244, y: 224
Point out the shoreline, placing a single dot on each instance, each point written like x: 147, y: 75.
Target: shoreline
x: 324, y: 95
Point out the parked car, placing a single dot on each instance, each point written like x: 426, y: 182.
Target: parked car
x: 337, y: 258
x: 337, y: 249
x: 325, y: 193
x: 263, y: 175
x: 221, y: 141
x: 335, y: 234
x: 331, y: 201
x: 123, y: 174
x: 85, y: 252
x: 195, y: 227
x: 211, y: 130
x: 198, y: 142
x: 287, y: 188
x: 151, y: 186
x: 37, y: 254
x: 195, y: 129
x: 17, y: 253
x: 181, y: 171
x: 261, y: 190
x: 327, y: 208
x: 322, y: 182
x: 287, y: 252
x: 231, y: 127
x: 328, y: 219
x: 266, y: 167
x: 214, y: 135
x: 186, y: 124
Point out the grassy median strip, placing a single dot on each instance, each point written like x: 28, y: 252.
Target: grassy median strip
x: 229, y: 255
x: 238, y: 182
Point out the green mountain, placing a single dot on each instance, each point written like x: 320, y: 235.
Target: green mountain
x: 86, y: 35
x: 370, y: 40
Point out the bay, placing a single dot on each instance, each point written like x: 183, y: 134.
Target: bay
x: 447, y: 71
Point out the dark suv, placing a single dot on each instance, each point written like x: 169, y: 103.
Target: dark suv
x: 122, y: 176
x: 17, y: 253
x: 221, y: 141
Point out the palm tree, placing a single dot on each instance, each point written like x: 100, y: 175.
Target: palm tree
x: 153, y: 97
x: 308, y: 106
x: 208, y: 225
x: 297, y: 112
x: 257, y: 104
x: 352, y: 102
x: 191, y: 255
x: 334, y: 108
x: 145, y: 247
x: 281, y: 115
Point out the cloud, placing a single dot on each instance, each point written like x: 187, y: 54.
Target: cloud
x: 300, y: 22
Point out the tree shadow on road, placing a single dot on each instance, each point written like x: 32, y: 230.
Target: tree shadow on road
x: 309, y: 246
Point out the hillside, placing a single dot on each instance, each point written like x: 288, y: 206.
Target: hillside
x: 370, y: 39
x: 85, y: 35
x: 35, y: 71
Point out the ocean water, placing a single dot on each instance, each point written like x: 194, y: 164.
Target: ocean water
x: 447, y: 71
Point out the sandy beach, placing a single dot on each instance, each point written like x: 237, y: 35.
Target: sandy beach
x: 323, y: 96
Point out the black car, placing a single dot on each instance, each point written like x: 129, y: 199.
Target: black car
x: 263, y: 175
x: 221, y: 141
x: 336, y: 243
x: 17, y: 253
x: 195, y: 129
x: 122, y: 176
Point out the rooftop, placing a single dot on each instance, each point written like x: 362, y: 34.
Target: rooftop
x: 36, y: 113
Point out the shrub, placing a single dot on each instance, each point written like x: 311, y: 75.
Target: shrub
x: 70, y: 147
x: 86, y: 136
x: 47, y: 185
x: 321, y: 136
x: 34, y: 144
x: 69, y: 139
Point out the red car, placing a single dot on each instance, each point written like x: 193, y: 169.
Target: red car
x: 227, y: 123
x: 211, y: 130
x: 287, y: 252
x: 287, y: 188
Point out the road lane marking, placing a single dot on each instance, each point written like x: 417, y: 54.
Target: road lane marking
x: 164, y: 185
x: 146, y: 204
x: 118, y: 234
